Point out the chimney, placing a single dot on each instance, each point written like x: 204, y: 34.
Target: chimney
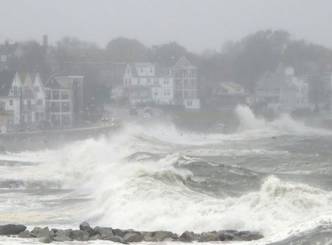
x: 45, y: 42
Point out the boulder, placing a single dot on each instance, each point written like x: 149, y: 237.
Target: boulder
x: 95, y: 237
x: 212, y: 236
x: 188, y: 236
x: 40, y: 232
x: 104, y: 232
x: 227, y: 235
x: 25, y: 234
x: 117, y: 239
x: 78, y: 235
x: 62, y: 235
x: 87, y: 228
x: 159, y: 236
x: 133, y: 236
x: 46, y: 239
x: 120, y: 233
x: 11, y: 229
x: 248, y: 236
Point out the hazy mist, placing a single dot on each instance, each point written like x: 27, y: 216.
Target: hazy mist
x: 196, y: 24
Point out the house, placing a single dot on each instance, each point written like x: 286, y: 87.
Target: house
x: 23, y: 96
x: 186, y: 87
x: 145, y: 83
x: 5, y: 117
x: 282, y: 91
x: 9, y: 104
x: 228, y: 95
x: 29, y: 91
x: 64, y: 100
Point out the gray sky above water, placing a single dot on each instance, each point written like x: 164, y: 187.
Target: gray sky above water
x: 196, y: 24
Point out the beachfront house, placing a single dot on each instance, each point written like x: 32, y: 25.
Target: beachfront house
x: 145, y: 83
x: 64, y: 101
x: 282, y: 91
x: 186, y: 84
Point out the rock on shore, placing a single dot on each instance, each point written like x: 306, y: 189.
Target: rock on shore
x: 86, y: 233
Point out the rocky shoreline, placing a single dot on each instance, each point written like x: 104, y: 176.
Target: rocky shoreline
x: 87, y: 233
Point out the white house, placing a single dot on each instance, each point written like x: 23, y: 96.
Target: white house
x: 64, y: 100
x: 10, y: 104
x: 282, y: 91
x: 186, y: 87
x: 29, y: 91
x: 148, y: 83
x: 145, y: 83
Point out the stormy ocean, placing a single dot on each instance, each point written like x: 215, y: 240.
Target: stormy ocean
x: 274, y: 177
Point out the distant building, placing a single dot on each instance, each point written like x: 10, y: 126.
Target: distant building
x: 5, y: 117
x: 9, y: 104
x: 282, y: 91
x: 186, y: 84
x: 144, y: 83
x: 228, y: 95
x: 29, y: 103
x: 64, y: 100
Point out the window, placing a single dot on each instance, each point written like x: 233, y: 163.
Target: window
x: 56, y: 95
x: 65, y: 107
x: 48, y: 94
x: 37, y: 89
x: 55, y: 107
x: 64, y: 95
x: 66, y: 120
x: 39, y: 102
x: 10, y: 102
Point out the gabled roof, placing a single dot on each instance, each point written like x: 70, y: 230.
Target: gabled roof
x: 6, y: 80
x: 183, y: 62
x: 61, y: 82
x: 134, y: 67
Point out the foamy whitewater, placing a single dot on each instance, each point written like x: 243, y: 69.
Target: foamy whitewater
x: 269, y: 176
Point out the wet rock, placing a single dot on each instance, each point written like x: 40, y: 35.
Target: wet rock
x: 188, y: 236
x: 133, y: 236
x: 105, y: 233
x: 46, y: 239
x: 78, y: 235
x: 95, y: 237
x: 209, y: 237
x: 117, y: 239
x: 62, y: 235
x: 248, y: 236
x: 11, y: 229
x: 87, y: 228
x: 159, y: 236
x: 227, y: 235
x: 25, y: 234
x: 120, y: 233
x: 40, y: 232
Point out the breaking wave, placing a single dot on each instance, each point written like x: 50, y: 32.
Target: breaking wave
x: 283, y: 125
x: 140, y: 179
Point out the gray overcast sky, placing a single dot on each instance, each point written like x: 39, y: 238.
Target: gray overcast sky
x: 196, y: 24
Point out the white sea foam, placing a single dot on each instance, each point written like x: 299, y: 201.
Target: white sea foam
x: 254, y: 126
x: 149, y: 194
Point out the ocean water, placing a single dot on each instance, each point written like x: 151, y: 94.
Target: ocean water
x: 268, y: 176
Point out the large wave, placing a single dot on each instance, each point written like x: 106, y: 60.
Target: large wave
x: 150, y: 191
x: 139, y: 178
x: 284, y: 125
